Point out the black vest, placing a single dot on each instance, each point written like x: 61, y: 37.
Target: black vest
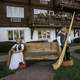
x: 17, y: 48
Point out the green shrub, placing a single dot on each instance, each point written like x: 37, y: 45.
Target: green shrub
x: 75, y: 44
x: 77, y: 51
x: 5, y: 46
x: 76, y: 40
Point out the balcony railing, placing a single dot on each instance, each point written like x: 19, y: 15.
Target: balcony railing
x: 68, y: 3
x: 54, y: 21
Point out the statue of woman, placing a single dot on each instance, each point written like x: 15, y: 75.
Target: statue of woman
x: 17, y: 55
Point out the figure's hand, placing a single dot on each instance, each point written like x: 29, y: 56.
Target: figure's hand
x: 21, y: 50
x: 13, y: 50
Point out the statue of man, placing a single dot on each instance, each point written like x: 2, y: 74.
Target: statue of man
x: 61, y: 38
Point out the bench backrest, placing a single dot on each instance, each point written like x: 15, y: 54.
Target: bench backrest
x: 41, y: 48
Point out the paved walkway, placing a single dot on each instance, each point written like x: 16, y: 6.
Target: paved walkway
x: 37, y: 71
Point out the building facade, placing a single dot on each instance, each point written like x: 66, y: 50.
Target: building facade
x: 37, y: 19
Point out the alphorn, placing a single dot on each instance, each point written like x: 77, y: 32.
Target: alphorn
x: 60, y: 60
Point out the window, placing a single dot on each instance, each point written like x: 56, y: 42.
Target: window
x: 43, y: 35
x: 15, y: 19
x: 76, y: 32
x: 44, y: 1
x: 51, y: 13
x: 15, y: 13
x: 13, y: 34
x: 57, y: 30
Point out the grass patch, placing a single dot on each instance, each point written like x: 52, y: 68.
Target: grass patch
x: 77, y: 51
x: 68, y: 73
x: 4, y: 70
x: 75, y: 44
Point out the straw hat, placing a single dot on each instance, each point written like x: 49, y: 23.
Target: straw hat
x: 64, y: 29
x: 18, y: 40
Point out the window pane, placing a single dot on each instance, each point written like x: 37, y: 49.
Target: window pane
x: 44, y: 34
x: 48, y: 34
x: 39, y: 35
x: 10, y: 35
x: 21, y: 34
x: 16, y: 34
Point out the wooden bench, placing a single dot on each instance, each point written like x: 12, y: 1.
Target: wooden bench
x: 41, y: 51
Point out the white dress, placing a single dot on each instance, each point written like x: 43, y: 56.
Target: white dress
x: 16, y: 58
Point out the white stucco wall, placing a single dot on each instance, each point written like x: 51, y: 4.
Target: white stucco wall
x: 72, y: 35
x: 35, y: 35
x: 53, y: 35
x: 27, y: 34
x: 3, y: 35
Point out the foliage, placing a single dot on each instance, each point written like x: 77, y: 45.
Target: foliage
x: 77, y: 51
x: 76, y: 40
x: 5, y: 46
